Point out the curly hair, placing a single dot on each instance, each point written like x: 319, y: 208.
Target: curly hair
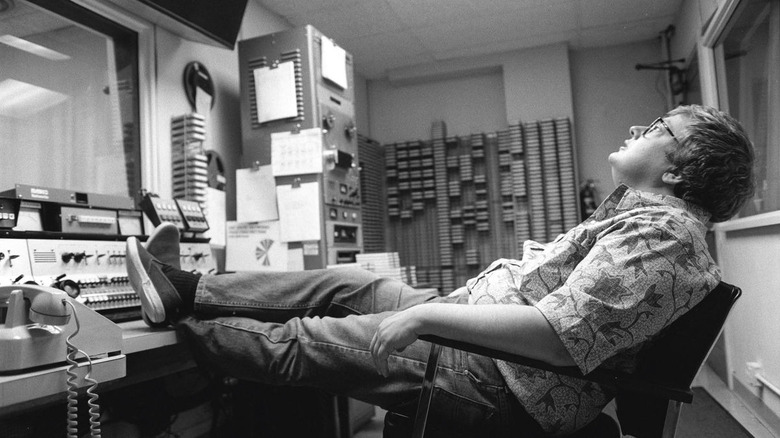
x: 715, y: 161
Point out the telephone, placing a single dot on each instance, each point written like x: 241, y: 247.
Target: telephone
x: 36, y: 322
x: 41, y: 326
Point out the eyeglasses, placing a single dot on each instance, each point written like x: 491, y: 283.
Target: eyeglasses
x: 660, y: 121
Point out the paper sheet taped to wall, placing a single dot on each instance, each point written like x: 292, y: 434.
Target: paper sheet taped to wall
x: 255, y: 246
x: 334, y: 63
x: 275, y: 94
x: 299, y: 212
x: 296, y: 153
x: 216, y: 216
x: 255, y: 195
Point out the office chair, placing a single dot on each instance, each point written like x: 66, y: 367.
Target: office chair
x: 648, y: 400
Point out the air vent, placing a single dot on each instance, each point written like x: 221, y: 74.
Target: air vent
x: 295, y: 57
x: 44, y: 257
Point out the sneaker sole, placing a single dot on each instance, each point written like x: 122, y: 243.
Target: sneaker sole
x: 166, y: 227
x: 151, y: 304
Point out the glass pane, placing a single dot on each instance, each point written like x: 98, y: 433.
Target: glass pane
x: 692, y: 93
x: 751, y: 56
x: 68, y: 105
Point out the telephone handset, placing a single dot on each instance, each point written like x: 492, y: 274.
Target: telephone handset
x: 35, y: 322
x: 46, y: 307
x: 35, y: 331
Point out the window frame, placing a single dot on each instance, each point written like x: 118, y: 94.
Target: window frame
x: 713, y: 74
x: 147, y: 97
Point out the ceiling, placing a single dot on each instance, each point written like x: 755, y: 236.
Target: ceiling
x: 384, y: 35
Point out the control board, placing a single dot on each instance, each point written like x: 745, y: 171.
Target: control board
x: 193, y: 215
x: 160, y: 210
x: 93, y: 272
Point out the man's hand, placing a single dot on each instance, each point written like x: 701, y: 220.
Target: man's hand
x: 515, y: 329
x: 394, y: 334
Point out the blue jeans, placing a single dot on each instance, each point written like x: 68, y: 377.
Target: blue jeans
x: 313, y: 328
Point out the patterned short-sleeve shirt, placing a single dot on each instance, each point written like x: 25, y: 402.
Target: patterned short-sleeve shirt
x: 607, y: 286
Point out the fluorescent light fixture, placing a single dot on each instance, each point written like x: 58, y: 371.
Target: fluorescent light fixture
x: 30, y: 47
x: 20, y: 100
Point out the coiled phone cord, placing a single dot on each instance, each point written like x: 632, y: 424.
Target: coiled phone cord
x: 72, y: 391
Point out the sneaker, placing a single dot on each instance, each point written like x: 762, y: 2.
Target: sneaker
x: 159, y: 299
x: 163, y: 244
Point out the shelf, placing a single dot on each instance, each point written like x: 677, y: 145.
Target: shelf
x: 31, y: 386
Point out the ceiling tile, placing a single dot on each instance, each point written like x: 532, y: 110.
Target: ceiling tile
x: 601, y: 36
x: 603, y: 12
x: 388, y: 44
x: 489, y: 30
x: 377, y: 68
x: 353, y: 20
x: 502, y: 7
x: 387, y: 34
x: 296, y: 7
x: 414, y: 13
x: 506, y: 46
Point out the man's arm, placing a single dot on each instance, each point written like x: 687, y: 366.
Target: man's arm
x: 518, y: 329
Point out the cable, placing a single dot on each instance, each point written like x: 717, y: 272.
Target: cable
x: 72, y: 390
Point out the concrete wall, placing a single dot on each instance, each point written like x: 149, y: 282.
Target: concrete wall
x: 610, y: 95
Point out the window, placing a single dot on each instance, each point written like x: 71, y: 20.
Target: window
x: 748, y: 59
x: 69, y: 114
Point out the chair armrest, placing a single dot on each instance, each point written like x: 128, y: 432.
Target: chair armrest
x: 609, y: 378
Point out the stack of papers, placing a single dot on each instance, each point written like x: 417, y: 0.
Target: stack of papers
x: 387, y: 265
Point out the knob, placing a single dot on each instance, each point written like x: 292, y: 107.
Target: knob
x: 2, y: 256
x: 66, y: 256
x: 350, y: 130
x: 328, y: 121
x: 70, y: 287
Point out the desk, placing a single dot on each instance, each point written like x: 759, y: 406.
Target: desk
x: 146, y: 354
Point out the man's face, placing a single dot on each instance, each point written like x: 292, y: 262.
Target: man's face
x: 642, y: 161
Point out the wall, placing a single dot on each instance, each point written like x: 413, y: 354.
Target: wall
x: 224, y: 125
x: 599, y: 89
x: 480, y: 94
x: 467, y: 105
x: 538, y: 84
x: 691, y: 17
x: 610, y: 95
x: 753, y: 324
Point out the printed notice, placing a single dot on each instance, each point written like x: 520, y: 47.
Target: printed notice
x: 255, y: 246
x: 296, y: 153
x: 299, y: 212
x: 275, y: 93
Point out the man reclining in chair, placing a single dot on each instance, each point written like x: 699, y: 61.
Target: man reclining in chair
x: 591, y: 297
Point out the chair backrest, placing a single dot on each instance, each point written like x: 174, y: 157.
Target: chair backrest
x: 674, y: 358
